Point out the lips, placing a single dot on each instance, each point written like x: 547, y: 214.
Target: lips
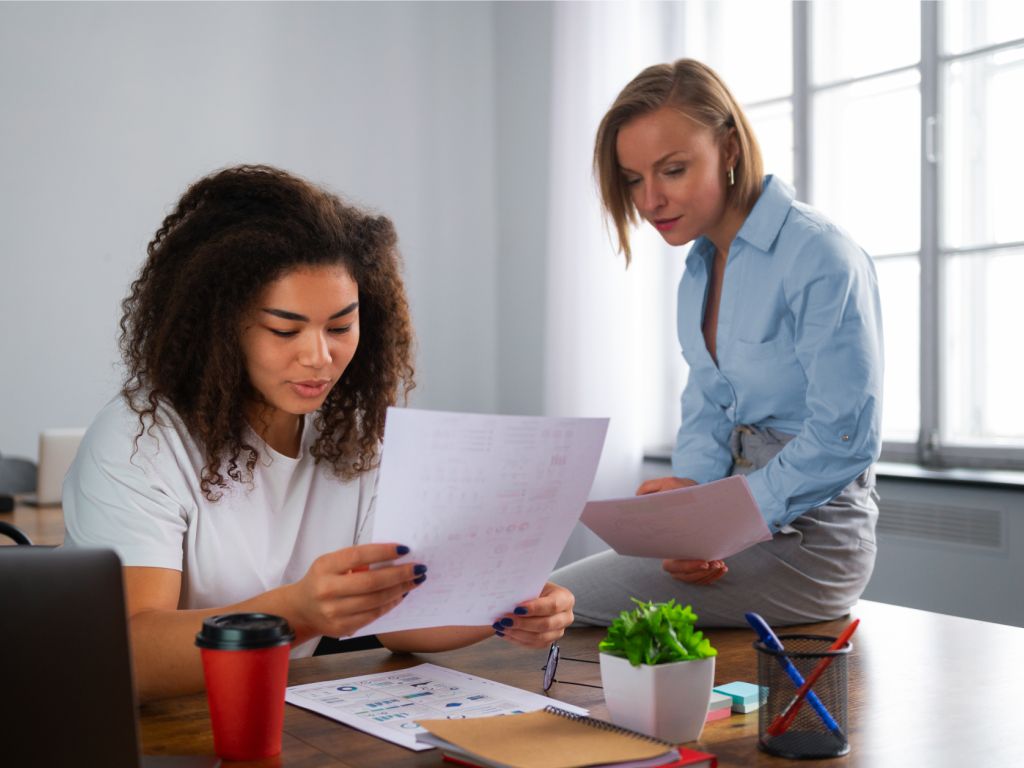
x: 311, y: 387
x: 663, y: 225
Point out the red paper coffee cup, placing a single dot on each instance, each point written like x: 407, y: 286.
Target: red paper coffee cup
x: 245, y: 663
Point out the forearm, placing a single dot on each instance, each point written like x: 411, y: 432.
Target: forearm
x: 433, y: 639
x: 165, y: 658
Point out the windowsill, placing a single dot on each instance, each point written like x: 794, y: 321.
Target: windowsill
x: 906, y: 471
x: 1001, y: 478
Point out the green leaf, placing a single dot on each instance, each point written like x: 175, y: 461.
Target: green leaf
x: 656, y: 633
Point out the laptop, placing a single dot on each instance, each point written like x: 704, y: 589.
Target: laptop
x: 57, y: 449
x: 68, y: 697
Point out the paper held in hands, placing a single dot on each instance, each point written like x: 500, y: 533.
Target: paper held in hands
x: 702, y: 522
x: 486, y: 502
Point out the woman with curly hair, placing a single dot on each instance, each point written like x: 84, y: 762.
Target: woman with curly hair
x: 264, y: 339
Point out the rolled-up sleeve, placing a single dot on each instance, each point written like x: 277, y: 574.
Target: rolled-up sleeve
x: 832, y: 293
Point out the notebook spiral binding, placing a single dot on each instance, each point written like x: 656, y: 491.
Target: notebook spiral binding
x: 604, y: 725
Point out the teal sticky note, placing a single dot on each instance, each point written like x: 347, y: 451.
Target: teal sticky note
x: 745, y: 696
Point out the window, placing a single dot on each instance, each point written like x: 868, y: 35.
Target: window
x: 906, y: 134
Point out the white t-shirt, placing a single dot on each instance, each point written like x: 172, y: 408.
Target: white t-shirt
x: 147, y: 505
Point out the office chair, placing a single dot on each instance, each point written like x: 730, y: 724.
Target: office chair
x: 17, y: 475
x: 15, y: 533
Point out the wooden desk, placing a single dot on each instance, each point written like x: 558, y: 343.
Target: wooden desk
x: 925, y: 689
x: 44, y: 525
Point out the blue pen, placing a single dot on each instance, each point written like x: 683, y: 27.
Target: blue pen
x: 773, y: 643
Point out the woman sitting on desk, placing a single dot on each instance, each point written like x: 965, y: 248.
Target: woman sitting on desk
x: 779, y: 321
x: 264, y: 339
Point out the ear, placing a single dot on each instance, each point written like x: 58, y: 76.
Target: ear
x: 731, y: 148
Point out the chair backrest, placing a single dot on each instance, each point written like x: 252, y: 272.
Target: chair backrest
x: 17, y: 475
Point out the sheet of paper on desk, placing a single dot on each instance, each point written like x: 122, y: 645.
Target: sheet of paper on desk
x: 388, y: 704
x: 486, y: 502
x: 702, y: 522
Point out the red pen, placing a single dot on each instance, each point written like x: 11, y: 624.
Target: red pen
x: 783, y: 720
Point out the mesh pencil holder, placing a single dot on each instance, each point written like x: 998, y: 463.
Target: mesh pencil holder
x: 815, y: 727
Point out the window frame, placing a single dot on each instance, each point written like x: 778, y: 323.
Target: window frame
x: 929, y: 450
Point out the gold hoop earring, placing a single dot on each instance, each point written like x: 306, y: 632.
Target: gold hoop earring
x: 732, y: 177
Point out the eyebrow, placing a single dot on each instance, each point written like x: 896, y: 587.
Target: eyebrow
x: 286, y: 315
x: 660, y: 161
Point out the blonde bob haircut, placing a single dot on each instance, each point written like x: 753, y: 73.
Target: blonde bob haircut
x: 698, y: 92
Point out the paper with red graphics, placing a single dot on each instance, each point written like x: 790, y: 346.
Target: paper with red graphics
x: 712, y: 521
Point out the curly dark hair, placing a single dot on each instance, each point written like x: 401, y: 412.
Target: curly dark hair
x: 233, y: 233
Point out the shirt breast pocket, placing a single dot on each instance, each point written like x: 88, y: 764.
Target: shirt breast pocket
x: 762, y: 350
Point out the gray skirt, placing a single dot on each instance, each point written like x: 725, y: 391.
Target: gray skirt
x: 814, y: 569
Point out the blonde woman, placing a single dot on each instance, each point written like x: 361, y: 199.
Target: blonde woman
x: 779, y: 323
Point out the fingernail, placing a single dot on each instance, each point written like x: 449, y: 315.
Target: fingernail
x: 402, y: 549
x: 496, y: 627
x: 418, y: 569
x: 419, y: 579
x: 507, y: 622
x: 520, y: 611
x: 405, y: 595
x: 499, y: 634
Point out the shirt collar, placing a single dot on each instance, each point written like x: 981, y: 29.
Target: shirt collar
x: 768, y: 214
x: 761, y: 226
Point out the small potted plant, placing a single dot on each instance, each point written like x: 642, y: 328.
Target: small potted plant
x: 658, y: 671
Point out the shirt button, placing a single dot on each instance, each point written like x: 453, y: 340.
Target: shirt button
x: 845, y: 438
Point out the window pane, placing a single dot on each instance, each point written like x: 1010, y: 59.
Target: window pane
x: 982, y: 355
x: 970, y: 24
x: 773, y: 126
x: 866, y: 164
x: 725, y: 34
x: 861, y: 38
x: 901, y: 320
x: 981, y: 150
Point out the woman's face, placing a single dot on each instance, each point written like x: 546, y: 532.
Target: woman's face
x: 300, y: 337
x: 675, y: 172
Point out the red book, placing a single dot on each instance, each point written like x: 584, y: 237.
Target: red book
x: 690, y: 758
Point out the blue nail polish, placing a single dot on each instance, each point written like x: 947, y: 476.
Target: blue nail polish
x: 520, y: 611
x: 405, y: 595
x: 418, y: 569
x: 419, y: 579
x: 402, y: 549
x: 499, y: 634
x: 497, y: 627
x: 506, y: 622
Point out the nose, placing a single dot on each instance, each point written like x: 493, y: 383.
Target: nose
x: 651, y: 197
x: 315, y: 352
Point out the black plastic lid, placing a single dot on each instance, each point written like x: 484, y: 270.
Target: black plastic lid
x: 244, y: 631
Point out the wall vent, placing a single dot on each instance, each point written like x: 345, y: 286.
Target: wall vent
x: 933, y: 522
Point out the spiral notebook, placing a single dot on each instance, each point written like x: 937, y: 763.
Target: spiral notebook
x: 548, y: 738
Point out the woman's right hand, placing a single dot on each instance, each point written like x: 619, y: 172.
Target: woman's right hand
x: 340, y: 594
x: 659, y: 484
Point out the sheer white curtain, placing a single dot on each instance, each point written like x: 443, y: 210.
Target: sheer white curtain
x: 607, y: 327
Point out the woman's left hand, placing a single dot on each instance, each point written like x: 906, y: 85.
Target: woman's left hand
x: 539, y: 622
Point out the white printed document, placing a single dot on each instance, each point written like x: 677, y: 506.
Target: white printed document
x: 701, y: 522
x: 486, y: 502
x: 388, y: 704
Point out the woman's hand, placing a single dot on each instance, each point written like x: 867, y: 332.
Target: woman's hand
x: 701, y: 572
x: 340, y: 594
x: 539, y: 622
x: 659, y: 484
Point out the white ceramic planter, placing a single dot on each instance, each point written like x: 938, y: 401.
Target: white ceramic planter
x: 668, y: 701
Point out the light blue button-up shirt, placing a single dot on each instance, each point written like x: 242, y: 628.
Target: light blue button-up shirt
x: 799, y: 346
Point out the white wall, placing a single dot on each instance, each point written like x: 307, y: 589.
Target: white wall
x: 108, y: 111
